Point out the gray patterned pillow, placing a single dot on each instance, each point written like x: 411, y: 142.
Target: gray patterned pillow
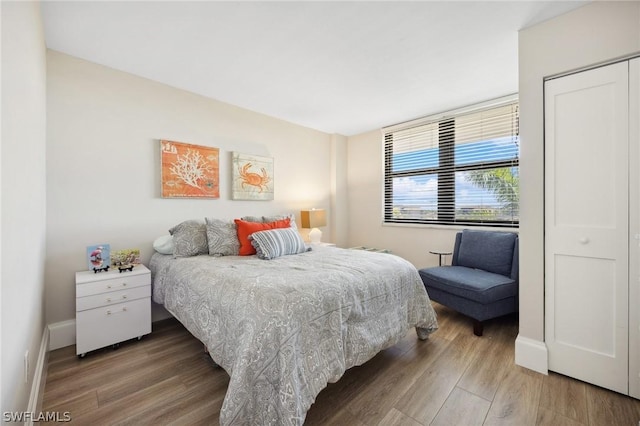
x: 274, y: 243
x: 257, y: 219
x: 222, y: 237
x: 189, y: 238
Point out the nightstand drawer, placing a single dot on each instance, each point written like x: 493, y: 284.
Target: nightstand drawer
x: 111, y: 298
x: 113, y: 284
x: 100, y: 327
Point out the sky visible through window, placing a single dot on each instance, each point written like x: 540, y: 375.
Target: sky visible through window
x: 422, y: 191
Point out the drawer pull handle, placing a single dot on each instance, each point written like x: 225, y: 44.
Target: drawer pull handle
x: 108, y: 299
x: 124, y: 296
x: 124, y: 309
x: 124, y: 284
x: 109, y: 286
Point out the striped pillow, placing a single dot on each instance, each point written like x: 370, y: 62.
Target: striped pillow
x: 273, y: 243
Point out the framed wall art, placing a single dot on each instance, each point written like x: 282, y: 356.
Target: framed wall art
x: 252, y: 177
x: 189, y: 171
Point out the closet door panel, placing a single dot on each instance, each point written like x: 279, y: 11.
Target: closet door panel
x: 586, y: 225
x: 578, y: 327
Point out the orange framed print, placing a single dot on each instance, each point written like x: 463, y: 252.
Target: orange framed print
x: 189, y: 171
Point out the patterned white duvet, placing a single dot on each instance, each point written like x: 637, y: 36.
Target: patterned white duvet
x: 284, y: 328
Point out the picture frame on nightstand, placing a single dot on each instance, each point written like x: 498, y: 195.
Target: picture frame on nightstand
x: 99, y: 257
x: 125, y: 257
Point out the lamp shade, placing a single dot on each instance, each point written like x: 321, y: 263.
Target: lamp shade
x: 314, y: 218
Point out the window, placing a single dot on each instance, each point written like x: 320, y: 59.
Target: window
x: 460, y: 168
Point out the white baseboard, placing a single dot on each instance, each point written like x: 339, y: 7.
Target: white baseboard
x: 532, y: 354
x: 39, y: 377
x: 62, y: 334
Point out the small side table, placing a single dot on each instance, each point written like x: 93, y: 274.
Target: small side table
x: 371, y: 249
x: 441, y: 254
x: 322, y: 244
x: 111, y: 307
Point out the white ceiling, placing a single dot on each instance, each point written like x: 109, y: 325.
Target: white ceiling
x: 338, y: 67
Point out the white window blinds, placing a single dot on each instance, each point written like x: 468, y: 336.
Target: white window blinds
x: 459, y: 169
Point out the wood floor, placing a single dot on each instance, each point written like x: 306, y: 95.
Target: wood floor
x: 454, y: 378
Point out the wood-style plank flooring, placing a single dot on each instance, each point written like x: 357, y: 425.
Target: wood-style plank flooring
x: 454, y: 378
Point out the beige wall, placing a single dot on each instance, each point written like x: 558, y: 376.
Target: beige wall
x: 103, y: 165
x: 22, y: 226
x: 600, y: 31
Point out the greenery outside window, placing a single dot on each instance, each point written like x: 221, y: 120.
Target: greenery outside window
x: 460, y: 168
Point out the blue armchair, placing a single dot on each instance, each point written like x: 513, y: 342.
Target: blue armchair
x: 482, y: 281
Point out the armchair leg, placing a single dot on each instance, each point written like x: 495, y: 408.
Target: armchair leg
x: 477, y: 327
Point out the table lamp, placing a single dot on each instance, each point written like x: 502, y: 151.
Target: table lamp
x: 314, y: 219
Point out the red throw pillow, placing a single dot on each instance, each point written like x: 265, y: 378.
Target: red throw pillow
x: 247, y: 228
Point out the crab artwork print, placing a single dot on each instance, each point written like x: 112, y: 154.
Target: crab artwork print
x: 252, y: 177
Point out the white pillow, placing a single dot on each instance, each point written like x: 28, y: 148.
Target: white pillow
x: 164, y: 244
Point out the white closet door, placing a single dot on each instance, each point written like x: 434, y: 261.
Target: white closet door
x: 586, y: 226
x: 634, y: 223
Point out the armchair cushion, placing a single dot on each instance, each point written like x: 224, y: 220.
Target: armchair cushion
x: 489, y: 251
x: 473, y: 284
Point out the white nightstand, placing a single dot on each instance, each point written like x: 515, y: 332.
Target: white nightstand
x: 322, y: 244
x: 112, y: 307
x: 372, y: 249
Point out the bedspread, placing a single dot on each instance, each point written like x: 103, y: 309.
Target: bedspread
x: 284, y: 328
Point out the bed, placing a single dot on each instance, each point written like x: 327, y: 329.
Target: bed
x: 284, y: 328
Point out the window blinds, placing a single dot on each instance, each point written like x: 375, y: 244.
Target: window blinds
x: 461, y: 168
